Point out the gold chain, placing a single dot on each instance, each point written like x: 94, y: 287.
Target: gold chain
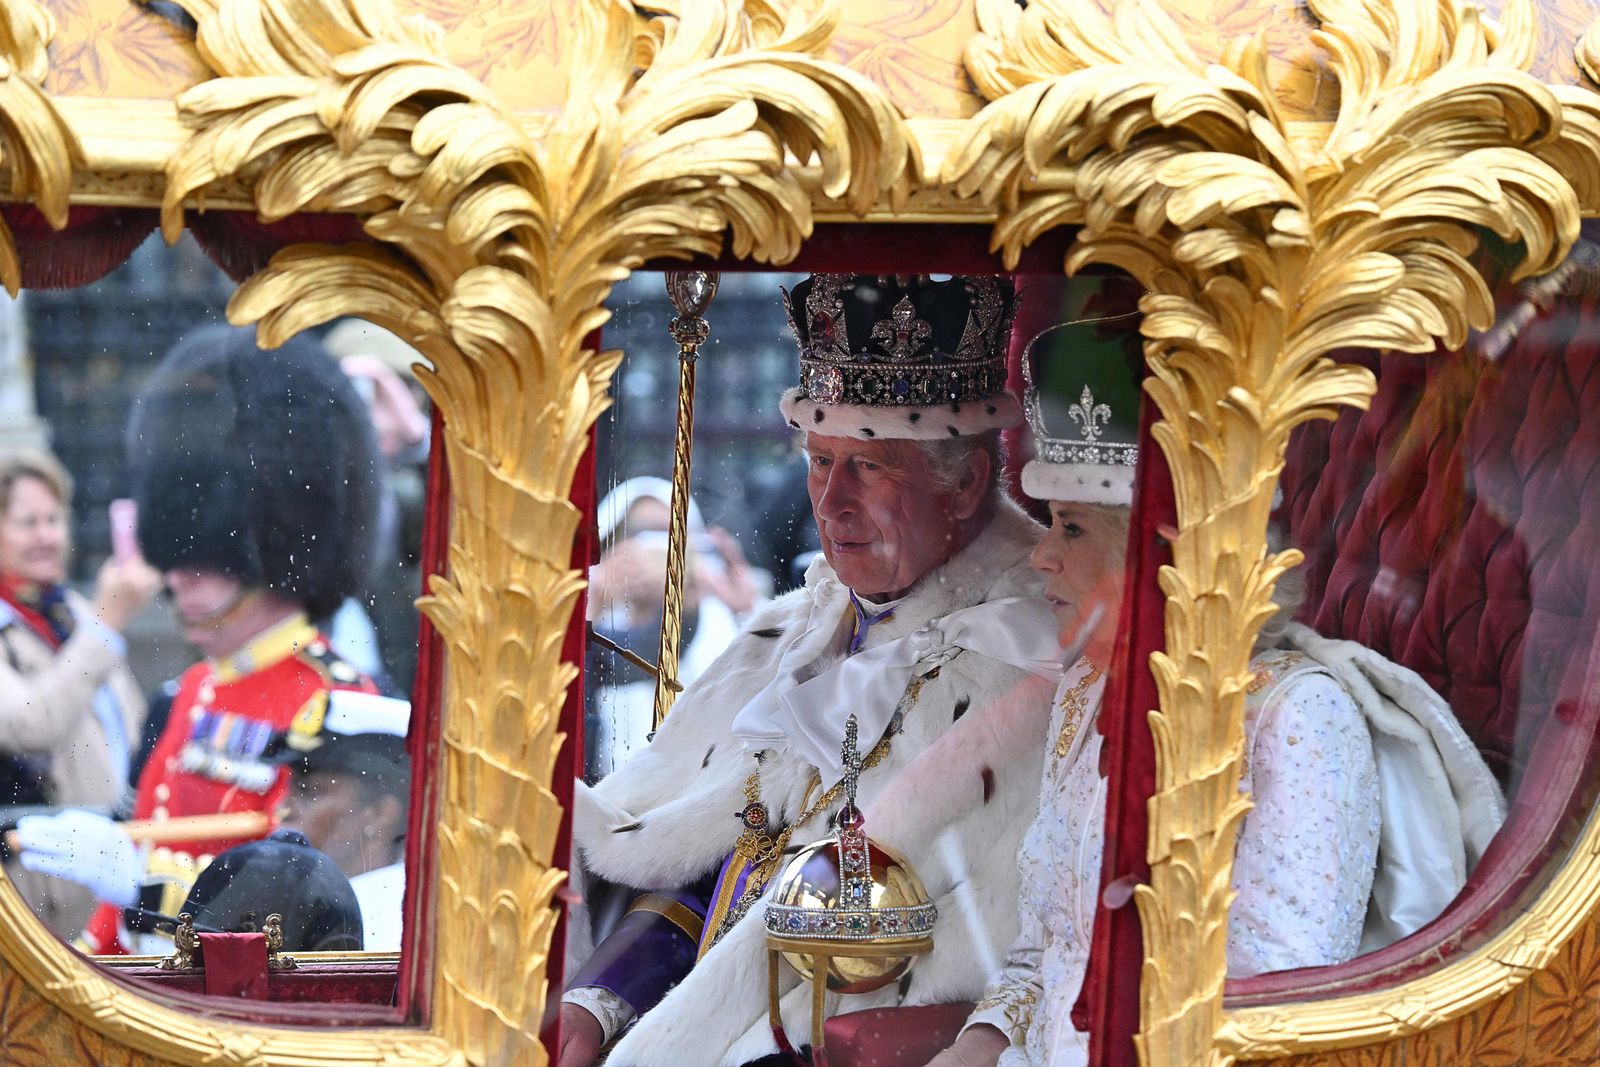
x: 761, y: 850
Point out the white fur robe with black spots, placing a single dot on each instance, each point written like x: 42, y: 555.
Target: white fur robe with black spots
x: 954, y: 795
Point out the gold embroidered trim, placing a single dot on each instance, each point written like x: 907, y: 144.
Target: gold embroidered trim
x: 1074, y: 703
x: 674, y: 911
x: 278, y: 642
x: 1270, y: 671
x: 1018, y: 1011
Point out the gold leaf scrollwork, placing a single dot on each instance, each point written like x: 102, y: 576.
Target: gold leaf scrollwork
x: 493, y: 251
x: 37, y: 147
x: 1264, y: 248
x: 1588, y: 51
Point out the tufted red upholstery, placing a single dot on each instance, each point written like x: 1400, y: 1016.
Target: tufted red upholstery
x: 1454, y: 528
x: 1445, y: 527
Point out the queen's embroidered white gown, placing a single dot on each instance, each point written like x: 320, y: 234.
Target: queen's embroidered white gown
x: 1303, y: 870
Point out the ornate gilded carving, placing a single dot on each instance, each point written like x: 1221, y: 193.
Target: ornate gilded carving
x: 186, y: 942
x: 1264, y: 243
x: 1264, y: 248
x: 37, y: 147
x: 1588, y: 51
x: 43, y: 980
x: 1553, y: 1017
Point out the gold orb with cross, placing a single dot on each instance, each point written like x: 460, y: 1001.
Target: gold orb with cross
x: 849, y: 914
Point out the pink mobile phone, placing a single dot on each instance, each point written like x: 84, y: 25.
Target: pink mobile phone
x: 124, y: 530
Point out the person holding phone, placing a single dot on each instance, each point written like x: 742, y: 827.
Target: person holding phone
x: 70, y: 709
x: 626, y: 594
x: 256, y: 475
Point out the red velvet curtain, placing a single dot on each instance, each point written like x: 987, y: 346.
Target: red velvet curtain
x: 1109, y: 1003
x: 888, y: 247
x: 1108, y: 1006
x: 95, y: 242
x: 423, y: 746
x: 99, y: 239
x: 241, y: 244
x: 569, y: 762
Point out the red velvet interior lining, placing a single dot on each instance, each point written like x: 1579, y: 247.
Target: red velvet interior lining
x: 95, y: 242
x: 1108, y: 1006
x: 415, y: 993
x: 569, y: 762
x: 359, y: 994
x: 99, y: 239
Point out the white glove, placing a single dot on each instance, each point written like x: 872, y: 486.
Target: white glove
x: 82, y: 847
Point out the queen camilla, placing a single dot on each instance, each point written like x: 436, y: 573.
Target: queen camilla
x: 1343, y: 752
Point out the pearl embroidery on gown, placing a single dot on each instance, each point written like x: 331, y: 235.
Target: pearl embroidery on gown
x: 1303, y: 868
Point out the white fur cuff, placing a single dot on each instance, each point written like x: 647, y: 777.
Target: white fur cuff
x: 868, y: 422
x: 1082, y: 483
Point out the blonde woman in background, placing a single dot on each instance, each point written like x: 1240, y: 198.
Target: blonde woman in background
x: 70, y: 710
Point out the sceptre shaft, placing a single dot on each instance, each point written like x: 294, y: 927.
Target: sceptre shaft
x: 691, y: 292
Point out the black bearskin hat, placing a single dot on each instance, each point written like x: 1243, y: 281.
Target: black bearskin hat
x: 259, y: 464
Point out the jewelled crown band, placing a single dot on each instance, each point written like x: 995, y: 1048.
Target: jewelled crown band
x: 901, y: 356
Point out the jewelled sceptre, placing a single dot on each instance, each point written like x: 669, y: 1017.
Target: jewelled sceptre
x: 690, y: 292
x: 849, y: 914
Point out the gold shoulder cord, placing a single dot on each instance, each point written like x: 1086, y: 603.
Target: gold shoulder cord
x: 760, y: 850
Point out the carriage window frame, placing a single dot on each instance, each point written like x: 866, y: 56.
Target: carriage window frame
x: 129, y: 143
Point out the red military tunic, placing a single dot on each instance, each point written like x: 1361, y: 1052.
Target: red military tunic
x: 209, y: 761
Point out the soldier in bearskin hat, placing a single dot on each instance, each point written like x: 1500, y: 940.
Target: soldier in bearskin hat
x: 920, y: 620
x: 256, y: 476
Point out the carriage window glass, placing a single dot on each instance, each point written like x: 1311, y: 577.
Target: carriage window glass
x: 1430, y: 654
x: 939, y: 644
x: 748, y: 523
x: 229, y: 540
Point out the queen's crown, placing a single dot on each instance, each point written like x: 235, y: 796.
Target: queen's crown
x: 1081, y: 399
